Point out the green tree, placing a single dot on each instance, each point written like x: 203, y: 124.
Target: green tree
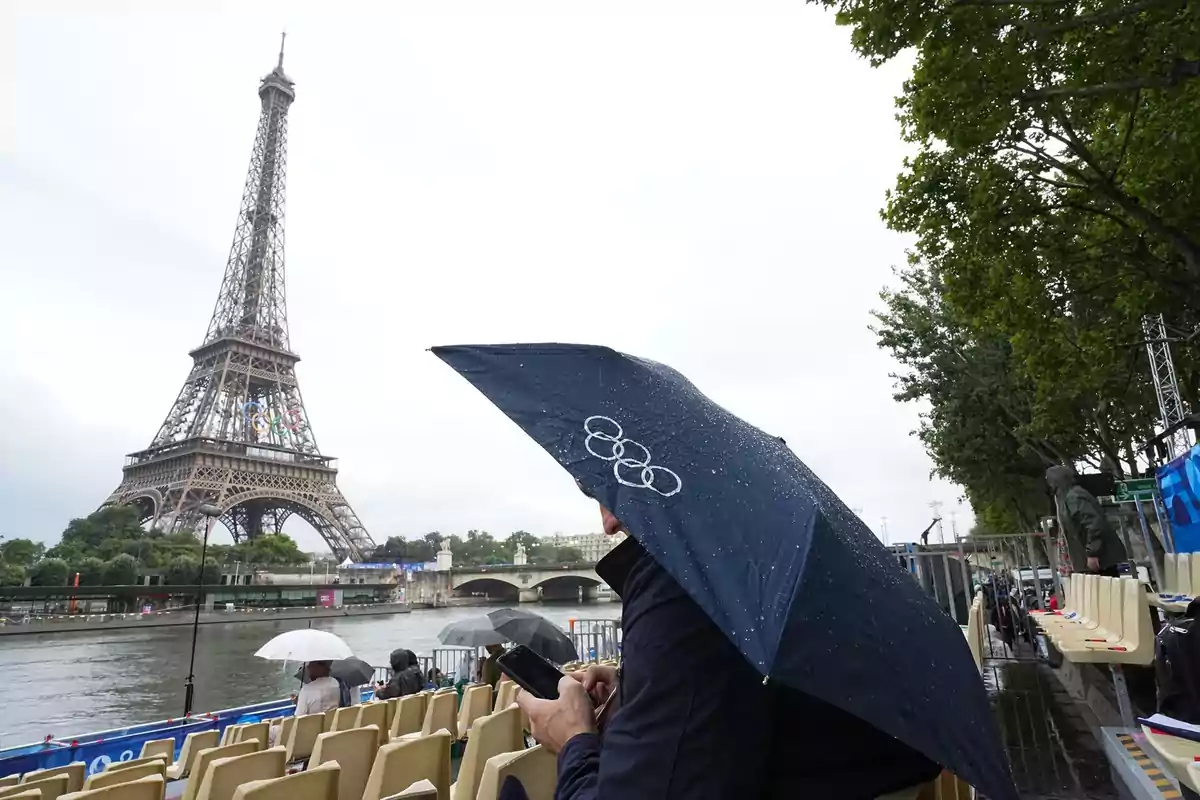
x: 11, y: 574
x: 121, y: 571
x: 181, y: 571
x: 274, y: 549
x: 22, y: 552
x: 49, y: 572
x: 90, y: 571
x: 1054, y: 195
x: 978, y: 405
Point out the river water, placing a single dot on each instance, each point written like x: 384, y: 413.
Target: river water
x: 64, y: 684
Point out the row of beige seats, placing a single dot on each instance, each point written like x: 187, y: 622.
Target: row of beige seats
x: 1106, y: 620
x: 1181, y: 578
x: 974, y: 629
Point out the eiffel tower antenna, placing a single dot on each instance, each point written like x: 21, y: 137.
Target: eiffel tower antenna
x: 237, y: 435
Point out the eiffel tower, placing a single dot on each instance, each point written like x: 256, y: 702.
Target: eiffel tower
x: 237, y: 435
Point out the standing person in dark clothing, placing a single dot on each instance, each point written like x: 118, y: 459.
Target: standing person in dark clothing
x: 406, y: 676
x: 1091, y: 541
x: 489, y: 670
x: 694, y: 720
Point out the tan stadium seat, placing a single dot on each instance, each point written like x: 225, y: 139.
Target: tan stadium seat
x: 1082, y: 618
x: 209, y: 755
x: 490, y: 736
x: 224, y: 775
x: 1175, y: 753
x: 303, y: 734
x: 254, y: 732
x: 151, y: 787
x: 25, y: 794
x: 410, y: 714
x: 1109, y: 620
x: 421, y: 790
x: 229, y: 735
x: 282, y: 731
x: 159, y: 747
x: 111, y: 777
x: 1170, y: 574
x: 536, y: 769
x: 76, y: 772
x: 440, y: 715
x: 1183, y: 578
x: 476, y: 703
x: 329, y: 715
x: 392, y: 703
x: 136, y: 762
x: 51, y: 788
x: 9, y: 780
x: 354, y: 751
x: 345, y: 719
x: 503, y: 689
x: 1073, y: 602
x: 402, y: 763
x: 316, y: 783
x: 373, y: 714
x: 193, y: 744
x: 1136, y: 646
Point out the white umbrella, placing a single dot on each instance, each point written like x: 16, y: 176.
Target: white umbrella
x: 305, y: 644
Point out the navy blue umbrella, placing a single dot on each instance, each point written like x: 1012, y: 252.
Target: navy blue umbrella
x: 792, y: 576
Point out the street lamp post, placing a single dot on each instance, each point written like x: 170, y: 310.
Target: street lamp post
x: 211, y: 512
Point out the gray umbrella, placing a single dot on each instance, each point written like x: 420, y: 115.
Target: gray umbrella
x: 470, y: 632
x: 354, y: 671
x: 535, y: 632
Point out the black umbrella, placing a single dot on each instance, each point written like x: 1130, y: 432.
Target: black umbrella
x: 535, y: 632
x: 795, y: 580
x: 354, y: 671
x: 470, y: 632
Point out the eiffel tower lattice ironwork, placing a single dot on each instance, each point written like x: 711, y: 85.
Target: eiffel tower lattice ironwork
x: 237, y: 435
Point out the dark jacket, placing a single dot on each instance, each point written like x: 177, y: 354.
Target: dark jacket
x: 406, y: 676
x: 695, y: 721
x: 1084, y: 523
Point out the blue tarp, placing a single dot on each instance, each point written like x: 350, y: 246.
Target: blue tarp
x: 1179, y: 483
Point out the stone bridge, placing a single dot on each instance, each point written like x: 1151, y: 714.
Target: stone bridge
x: 527, y: 583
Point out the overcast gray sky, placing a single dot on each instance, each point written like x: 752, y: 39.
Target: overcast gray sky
x: 695, y: 185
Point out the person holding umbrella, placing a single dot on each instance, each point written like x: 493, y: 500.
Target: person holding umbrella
x: 772, y: 647
x: 321, y: 693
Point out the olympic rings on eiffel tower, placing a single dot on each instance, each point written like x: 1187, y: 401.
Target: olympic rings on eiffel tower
x: 265, y: 421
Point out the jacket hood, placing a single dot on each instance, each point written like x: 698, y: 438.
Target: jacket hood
x: 399, y: 659
x: 1060, y: 478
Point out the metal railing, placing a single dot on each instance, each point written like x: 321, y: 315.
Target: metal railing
x: 596, y: 639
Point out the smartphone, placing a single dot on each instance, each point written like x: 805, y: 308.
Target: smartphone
x: 531, y: 672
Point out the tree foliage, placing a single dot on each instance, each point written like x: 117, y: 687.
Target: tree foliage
x: 12, y: 574
x: 21, y: 552
x: 49, y: 572
x: 121, y: 571
x: 1054, y: 199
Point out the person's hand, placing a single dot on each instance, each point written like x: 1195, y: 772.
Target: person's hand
x: 1093, y: 564
x: 599, y: 681
x: 555, y: 722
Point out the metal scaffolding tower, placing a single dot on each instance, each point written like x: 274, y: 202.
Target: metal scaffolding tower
x: 1166, y: 385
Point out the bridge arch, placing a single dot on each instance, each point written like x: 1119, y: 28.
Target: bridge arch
x: 496, y: 588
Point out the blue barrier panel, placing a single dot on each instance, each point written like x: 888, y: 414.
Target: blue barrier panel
x: 1179, y: 484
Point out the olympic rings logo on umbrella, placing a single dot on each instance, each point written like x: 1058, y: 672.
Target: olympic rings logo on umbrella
x: 618, y: 442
